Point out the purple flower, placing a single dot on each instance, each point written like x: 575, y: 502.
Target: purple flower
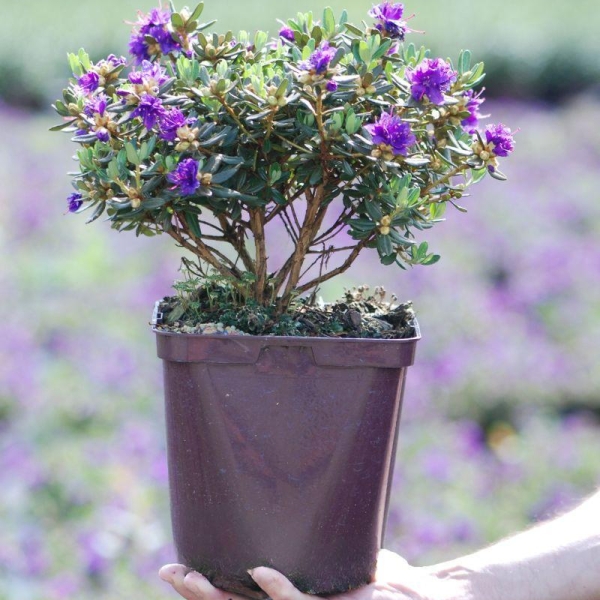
x: 75, y: 201
x: 185, y: 176
x: 150, y: 110
x: 102, y: 134
x: 502, y: 139
x: 170, y: 122
x: 331, y: 86
x: 431, y: 78
x: 115, y: 61
x: 139, y: 48
x: 89, y: 82
x: 392, y: 131
x: 287, y: 33
x: 96, y: 106
x: 152, y: 75
x: 319, y: 60
x: 389, y: 19
x: 154, y: 24
x: 474, y: 101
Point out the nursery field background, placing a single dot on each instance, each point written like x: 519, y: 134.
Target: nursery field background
x: 502, y: 410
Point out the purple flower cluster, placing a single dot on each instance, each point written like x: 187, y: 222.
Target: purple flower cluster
x: 320, y: 59
x: 502, y: 139
x: 432, y: 78
x: 74, y: 201
x: 95, y: 109
x: 473, y: 102
x: 185, y: 177
x: 96, y: 106
x: 89, y: 82
x: 155, y: 25
x: 287, y: 33
x: 170, y: 122
x: 392, y: 131
x: 152, y: 75
x: 389, y: 19
x: 149, y: 109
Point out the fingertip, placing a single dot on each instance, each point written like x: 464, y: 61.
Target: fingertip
x: 169, y: 573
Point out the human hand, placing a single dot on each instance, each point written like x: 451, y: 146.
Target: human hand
x: 394, y: 580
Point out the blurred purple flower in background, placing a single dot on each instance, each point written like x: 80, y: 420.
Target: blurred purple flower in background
x: 431, y: 78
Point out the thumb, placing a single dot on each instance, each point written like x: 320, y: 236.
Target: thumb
x: 389, y: 564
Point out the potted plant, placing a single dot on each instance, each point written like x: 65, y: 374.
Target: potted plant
x: 281, y: 411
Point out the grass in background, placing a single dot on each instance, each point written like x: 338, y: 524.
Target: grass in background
x: 534, y: 48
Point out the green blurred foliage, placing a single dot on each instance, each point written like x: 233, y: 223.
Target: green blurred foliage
x: 534, y: 48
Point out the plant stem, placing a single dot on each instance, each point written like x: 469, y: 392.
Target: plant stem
x: 443, y: 179
x: 257, y: 224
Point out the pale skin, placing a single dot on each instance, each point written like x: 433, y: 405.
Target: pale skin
x: 556, y: 560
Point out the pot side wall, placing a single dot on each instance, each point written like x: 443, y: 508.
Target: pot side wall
x: 280, y: 461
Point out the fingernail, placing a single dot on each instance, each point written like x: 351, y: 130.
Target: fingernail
x: 251, y: 573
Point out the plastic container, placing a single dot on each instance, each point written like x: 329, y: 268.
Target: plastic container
x: 280, y: 453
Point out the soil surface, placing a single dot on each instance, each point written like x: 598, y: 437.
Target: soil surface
x: 360, y: 314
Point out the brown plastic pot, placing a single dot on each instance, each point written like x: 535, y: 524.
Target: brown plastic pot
x: 280, y: 453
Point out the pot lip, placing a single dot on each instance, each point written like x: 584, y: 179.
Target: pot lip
x: 283, y: 338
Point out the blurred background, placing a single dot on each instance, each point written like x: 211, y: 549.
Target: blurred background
x: 502, y: 410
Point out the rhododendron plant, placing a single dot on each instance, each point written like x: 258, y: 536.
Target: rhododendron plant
x: 211, y: 138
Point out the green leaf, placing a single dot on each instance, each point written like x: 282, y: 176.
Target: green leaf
x: 192, y: 222
x: 75, y: 65
x: 431, y: 259
x: 437, y: 210
x: 224, y: 174
x: 278, y: 197
x: 352, y: 29
x: 99, y: 210
x: 329, y: 21
x: 373, y: 210
x: 498, y: 175
x: 364, y: 52
x: 464, y: 61
x: 384, y: 245
x: 62, y: 126
x: 177, y: 21
x: 478, y: 174
x: 84, y: 59
x: 132, y: 155
x: 197, y: 12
